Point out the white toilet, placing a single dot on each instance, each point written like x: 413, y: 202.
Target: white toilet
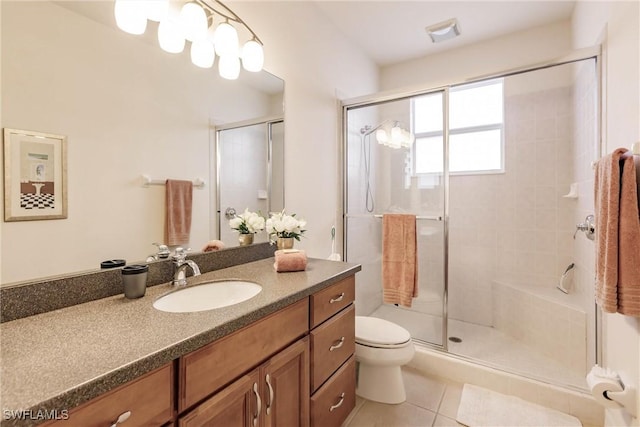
x: 382, y: 347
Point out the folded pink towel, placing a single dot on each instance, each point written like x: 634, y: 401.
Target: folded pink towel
x: 399, y: 259
x: 178, y: 210
x: 290, y: 260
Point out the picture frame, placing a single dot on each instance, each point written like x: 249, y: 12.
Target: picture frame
x: 35, y: 175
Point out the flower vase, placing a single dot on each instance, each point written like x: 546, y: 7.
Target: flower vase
x: 285, y: 243
x: 245, y: 239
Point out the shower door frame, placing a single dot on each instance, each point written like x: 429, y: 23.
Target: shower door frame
x: 594, y: 52
x: 268, y: 122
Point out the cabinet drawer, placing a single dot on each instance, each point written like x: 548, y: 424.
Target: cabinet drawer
x: 210, y: 368
x: 335, y: 400
x: 331, y: 344
x: 331, y: 300
x: 148, y: 398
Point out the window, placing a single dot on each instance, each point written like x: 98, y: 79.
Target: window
x: 476, y: 129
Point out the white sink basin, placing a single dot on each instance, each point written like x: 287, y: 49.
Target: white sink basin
x: 207, y: 296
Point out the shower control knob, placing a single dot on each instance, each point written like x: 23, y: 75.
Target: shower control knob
x: 588, y: 226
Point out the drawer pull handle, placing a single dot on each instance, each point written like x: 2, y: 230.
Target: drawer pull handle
x: 268, y: 380
x: 337, y: 405
x: 122, y: 418
x: 258, y: 403
x: 337, y: 299
x: 339, y: 344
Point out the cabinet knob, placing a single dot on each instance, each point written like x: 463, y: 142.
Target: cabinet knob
x: 122, y: 418
x: 337, y: 405
x: 258, y: 404
x: 337, y: 345
x: 337, y: 299
x: 270, y: 403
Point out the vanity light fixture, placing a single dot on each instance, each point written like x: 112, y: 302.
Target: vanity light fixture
x: 444, y: 30
x: 209, y: 25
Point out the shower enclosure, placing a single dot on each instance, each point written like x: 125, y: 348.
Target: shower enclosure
x: 487, y: 170
x: 250, y: 172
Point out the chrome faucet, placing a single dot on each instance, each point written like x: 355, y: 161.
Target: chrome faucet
x: 180, y: 264
x: 163, y: 253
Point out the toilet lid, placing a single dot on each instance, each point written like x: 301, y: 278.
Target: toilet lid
x: 379, y: 332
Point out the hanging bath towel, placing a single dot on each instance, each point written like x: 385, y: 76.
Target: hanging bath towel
x: 178, y: 206
x: 617, y: 234
x: 399, y: 259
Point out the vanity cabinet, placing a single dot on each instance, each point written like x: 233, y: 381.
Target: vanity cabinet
x: 333, y: 373
x: 274, y: 394
x: 293, y: 367
x: 148, y: 400
x: 210, y: 368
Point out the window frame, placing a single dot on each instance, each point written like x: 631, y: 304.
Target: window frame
x: 464, y: 130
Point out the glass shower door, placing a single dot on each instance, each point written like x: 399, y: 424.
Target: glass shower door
x: 250, y: 174
x: 386, y: 174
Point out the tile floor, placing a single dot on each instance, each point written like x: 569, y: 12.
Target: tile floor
x: 430, y: 402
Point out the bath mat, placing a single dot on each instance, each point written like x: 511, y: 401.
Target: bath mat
x: 480, y: 407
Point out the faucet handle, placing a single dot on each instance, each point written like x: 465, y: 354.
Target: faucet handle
x: 180, y: 253
x: 163, y: 250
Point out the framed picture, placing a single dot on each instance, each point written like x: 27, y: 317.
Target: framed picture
x: 35, y: 175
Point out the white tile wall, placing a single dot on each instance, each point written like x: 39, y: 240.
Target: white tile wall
x: 548, y: 327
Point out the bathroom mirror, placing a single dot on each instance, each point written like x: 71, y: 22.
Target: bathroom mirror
x: 127, y: 109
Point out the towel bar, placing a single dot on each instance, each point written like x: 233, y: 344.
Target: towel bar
x: 418, y: 217
x: 147, y: 181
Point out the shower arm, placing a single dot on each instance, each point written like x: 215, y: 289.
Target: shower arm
x: 368, y: 130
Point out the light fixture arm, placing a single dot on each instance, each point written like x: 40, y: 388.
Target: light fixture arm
x: 228, y: 14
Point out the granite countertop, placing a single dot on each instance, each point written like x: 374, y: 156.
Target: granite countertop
x: 60, y: 359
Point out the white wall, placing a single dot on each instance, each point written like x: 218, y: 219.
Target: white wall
x: 317, y: 63
x: 617, y: 26
x: 488, y: 57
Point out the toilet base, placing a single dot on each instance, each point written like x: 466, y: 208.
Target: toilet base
x: 382, y: 384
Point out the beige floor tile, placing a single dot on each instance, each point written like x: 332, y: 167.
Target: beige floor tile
x: 442, y: 421
x: 422, y: 391
x: 359, y: 402
x: 373, y: 414
x: 451, y: 400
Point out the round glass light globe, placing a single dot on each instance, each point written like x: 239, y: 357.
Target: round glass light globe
x: 203, y: 54
x: 130, y: 16
x: 229, y: 67
x: 156, y: 9
x: 252, y: 56
x: 193, y: 21
x: 169, y: 36
x: 226, y: 40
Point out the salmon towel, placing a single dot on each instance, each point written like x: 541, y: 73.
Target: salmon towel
x: 399, y: 259
x: 178, y: 212
x: 617, y: 234
x: 290, y: 260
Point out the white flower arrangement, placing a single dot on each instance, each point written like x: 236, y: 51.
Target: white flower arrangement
x: 280, y: 224
x: 247, y: 222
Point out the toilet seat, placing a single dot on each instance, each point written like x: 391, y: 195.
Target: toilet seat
x: 380, y: 333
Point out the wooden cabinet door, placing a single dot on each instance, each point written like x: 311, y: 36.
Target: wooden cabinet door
x: 237, y: 405
x: 285, y: 381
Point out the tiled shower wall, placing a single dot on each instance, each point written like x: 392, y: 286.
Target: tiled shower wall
x: 515, y: 225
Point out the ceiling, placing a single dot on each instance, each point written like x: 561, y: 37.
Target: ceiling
x: 394, y: 31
